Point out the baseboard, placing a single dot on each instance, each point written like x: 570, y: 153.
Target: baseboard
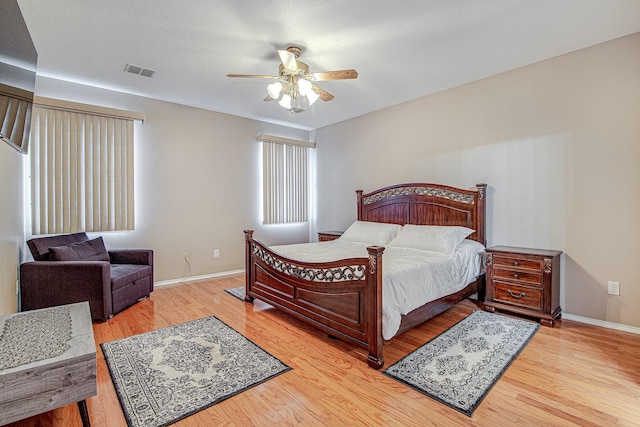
x: 604, y: 324
x: 192, y: 278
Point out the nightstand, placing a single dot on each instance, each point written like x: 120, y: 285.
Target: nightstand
x: 325, y: 236
x: 524, y: 281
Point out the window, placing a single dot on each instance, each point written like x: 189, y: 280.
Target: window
x: 81, y: 172
x: 285, y: 180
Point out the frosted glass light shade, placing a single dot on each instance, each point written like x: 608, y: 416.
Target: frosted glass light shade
x: 304, y: 86
x: 274, y: 90
x: 285, y: 102
x: 312, y: 96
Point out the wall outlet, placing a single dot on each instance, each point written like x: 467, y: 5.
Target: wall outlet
x: 216, y: 253
x: 614, y: 288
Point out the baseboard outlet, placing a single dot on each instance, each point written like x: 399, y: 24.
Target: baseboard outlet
x: 602, y: 323
x: 192, y: 278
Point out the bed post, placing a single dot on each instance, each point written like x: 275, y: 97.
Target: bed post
x: 481, y: 213
x: 360, y: 205
x: 373, y: 297
x: 248, y: 236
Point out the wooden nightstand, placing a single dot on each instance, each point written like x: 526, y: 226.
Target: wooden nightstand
x: 325, y: 236
x: 524, y: 281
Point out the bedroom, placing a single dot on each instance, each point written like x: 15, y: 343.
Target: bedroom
x: 567, y: 127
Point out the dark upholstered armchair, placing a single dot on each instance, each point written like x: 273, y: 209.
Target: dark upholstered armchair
x: 71, y: 268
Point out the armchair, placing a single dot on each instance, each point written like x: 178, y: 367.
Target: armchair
x: 71, y: 268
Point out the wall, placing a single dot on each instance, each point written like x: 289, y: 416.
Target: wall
x: 557, y: 142
x: 197, y: 182
x: 11, y: 225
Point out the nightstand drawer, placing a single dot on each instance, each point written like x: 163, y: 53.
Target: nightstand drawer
x: 518, y: 295
x: 524, y: 276
x: 511, y: 261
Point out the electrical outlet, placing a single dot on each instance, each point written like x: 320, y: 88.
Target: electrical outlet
x: 216, y: 253
x: 614, y: 288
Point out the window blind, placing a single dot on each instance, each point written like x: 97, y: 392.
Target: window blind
x: 15, y: 118
x: 285, y: 183
x: 81, y: 172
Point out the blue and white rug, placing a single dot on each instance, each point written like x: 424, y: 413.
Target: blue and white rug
x: 459, y: 366
x: 168, y: 374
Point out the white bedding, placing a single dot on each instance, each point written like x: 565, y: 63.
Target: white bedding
x: 410, y: 277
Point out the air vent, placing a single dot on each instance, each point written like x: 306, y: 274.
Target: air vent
x: 135, y: 69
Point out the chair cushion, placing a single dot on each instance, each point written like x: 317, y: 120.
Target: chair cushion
x: 39, y: 246
x: 91, y: 250
x: 125, y: 274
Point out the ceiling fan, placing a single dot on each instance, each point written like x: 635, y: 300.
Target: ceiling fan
x: 294, y: 88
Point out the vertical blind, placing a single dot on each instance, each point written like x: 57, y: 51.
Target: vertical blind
x: 81, y: 172
x: 15, y: 117
x: 286, y: 183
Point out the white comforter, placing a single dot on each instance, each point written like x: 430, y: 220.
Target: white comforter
x: 410, y: 277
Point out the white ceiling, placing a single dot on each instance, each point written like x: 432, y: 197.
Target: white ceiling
x: 402, y: 49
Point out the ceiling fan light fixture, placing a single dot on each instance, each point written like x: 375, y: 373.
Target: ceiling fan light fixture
x: 304, y: 86
x: 285, y: 102
x: 294, y: 88
x: 312, y: 96
x: 274, y: 90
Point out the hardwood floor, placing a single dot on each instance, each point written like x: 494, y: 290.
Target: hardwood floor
x: 573, y: 374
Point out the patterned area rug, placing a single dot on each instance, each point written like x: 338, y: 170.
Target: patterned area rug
x: 166, y: 375
x: 236, y: 292
x: 459, y: 366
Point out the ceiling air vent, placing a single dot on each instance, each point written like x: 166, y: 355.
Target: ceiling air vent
x: 135, y: 69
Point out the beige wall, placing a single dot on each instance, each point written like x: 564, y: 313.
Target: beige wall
x: 197, y: 182
x: 11, y: 225
x: 557, y: 142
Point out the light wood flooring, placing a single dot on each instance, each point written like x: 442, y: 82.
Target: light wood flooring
x: 571, y: 375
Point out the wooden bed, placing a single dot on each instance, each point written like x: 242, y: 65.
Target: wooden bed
x: 344, y: 298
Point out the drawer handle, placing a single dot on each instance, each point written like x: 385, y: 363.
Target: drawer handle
x: 522, y: 294
x: 515, y: 276
x: 516, y: 263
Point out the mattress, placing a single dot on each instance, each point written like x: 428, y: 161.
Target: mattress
x: 410, y: 277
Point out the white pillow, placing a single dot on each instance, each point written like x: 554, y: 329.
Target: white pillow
x: 434, y: 238
x: 371, y: 233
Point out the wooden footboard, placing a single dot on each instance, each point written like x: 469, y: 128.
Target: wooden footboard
x: 342, y: 298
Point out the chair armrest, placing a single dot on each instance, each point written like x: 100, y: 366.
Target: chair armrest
x: 50, y: 283
x: 131, y: 256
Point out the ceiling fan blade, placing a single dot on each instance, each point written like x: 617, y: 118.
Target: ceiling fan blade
x: 324, y: 95
x: 288, y: 59
x: 253, y: 76
x: 335, y: 75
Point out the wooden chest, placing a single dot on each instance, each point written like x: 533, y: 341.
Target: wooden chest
x: 67, y: 375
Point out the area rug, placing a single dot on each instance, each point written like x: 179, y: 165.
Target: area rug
x: 236, y: 292
x: 168, y: 374
x: 461, y: 365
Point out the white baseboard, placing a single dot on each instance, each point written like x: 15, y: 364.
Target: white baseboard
x: 192, y: 278
x: 603, y: 323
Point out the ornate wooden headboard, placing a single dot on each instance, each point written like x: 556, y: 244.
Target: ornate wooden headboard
x: 426, y: 204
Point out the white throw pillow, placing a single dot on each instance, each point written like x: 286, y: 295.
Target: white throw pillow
x: 371, y: 233
x: 434, y: 238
